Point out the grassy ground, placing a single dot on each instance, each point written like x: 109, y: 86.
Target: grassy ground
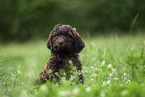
x: 113, y: 66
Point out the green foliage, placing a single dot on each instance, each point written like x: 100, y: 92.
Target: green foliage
x: 25, y: 19
x: 113, y: 66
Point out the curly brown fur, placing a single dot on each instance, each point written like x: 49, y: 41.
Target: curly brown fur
x: 65, y: 44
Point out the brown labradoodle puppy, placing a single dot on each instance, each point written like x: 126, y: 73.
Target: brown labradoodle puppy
x: 65, y: 44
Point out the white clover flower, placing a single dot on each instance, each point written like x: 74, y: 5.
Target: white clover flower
x: 64, y: 93
x: 19, y: 66
x: 87, y: 55
x: 102, y: 94
x: 88, y: 89
x: 91, y: 79
x: 76, y: 91
x: 70, y: 62
x: 43, y: 88
x: 125, y: 74
x: 128, y: 81
x: 86, y: 71
x: 116, y: 78
x: 103, y: 62
x: 132, y: 48
x: 92, y: 66
x: 98, y: 69
x: 19, y: 72
x: 110, y: 74
x: 95, y: 74
x: 9, y: 89
x: 124, y: 92
x: 93, y: 59
x: 24, y: 93
x: 113, y: 70
x: 108, y: 82
x: 109, y: 66
x: 104, y: 83
x: 124, y: 78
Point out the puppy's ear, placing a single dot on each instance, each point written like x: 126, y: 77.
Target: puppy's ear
x: 49, y: 43
x: 78, y: 43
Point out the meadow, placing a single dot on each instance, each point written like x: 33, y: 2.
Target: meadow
x: 113, y: 66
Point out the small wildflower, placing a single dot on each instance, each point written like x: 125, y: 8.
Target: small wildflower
x: 76, y: 91
x: 43, y: 88
x: 125, y: 74
x: 103, y: 94
x: 124, y: 92
x: 23, y: 93
x: 19, y: 72
x: 108, y: 82
x: 88, y: 89
x: 95, y: 74
x: 91, y: 79
x: 104, y: 83
x: 110, y: 74
x: 132, y: 48
x: 142, y: 84
x: 128, y: 81
x: 113, y: 70
x: 103, y: 62
x: 116, y: 78
x: 122, y: 76
x: 64, y: 93
x: 87, y: 55
x: 98, y: 69
x: 109, y: 66
x: 93, y: 59
x: 70, y: 62
x: 86, y: 71
x: 9, y: 89
x: 19, y: 67
x: 92, y: 66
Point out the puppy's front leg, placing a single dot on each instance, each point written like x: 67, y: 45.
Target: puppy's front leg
x: 78, y: 65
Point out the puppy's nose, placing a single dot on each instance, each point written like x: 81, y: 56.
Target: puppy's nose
x: 60, y: 42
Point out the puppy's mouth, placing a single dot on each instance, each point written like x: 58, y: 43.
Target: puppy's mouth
x: 61, y: 49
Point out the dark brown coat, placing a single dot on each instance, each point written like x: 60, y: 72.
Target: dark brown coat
x: 65, y: 44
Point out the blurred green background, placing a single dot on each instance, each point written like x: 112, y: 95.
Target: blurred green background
x: 25, y: 19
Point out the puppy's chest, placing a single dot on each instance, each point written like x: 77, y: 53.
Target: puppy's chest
x: 65, y: 63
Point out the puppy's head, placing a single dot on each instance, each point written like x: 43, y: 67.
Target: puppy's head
x: 64, y: 39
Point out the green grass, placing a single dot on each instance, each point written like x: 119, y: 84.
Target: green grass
x: 113, y: 66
